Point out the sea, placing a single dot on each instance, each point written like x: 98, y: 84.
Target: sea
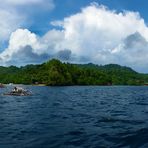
x: 75, y: 117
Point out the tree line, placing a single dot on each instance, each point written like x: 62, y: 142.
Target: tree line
x: 56, y: 73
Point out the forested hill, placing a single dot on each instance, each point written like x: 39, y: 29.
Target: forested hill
x: 56, y: 73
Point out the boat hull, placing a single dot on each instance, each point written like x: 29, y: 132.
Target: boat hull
x: 17, y: 94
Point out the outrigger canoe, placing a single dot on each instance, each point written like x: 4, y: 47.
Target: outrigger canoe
x: 18, y: 91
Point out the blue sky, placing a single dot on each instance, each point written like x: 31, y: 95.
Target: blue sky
x: 78, y: 31
x: 64, y: 8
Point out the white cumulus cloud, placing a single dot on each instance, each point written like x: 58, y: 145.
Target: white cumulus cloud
x: 21, y: 2
x: 9, y: 21
x: 15, y: 3
x: 18, y: 40
x: 96, y: 34
x: 99, y: 34
x: 19, y: 13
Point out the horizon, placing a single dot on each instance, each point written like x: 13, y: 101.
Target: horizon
x: 85, y: 31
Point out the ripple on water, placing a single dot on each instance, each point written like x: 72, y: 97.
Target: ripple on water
x: 75, y: 117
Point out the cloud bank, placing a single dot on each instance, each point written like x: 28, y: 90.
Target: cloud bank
x: 96, y: 34
x: 15, y: 14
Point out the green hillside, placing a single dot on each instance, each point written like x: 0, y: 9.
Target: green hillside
x: 56, y: 73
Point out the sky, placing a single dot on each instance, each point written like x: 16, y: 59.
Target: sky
x: 76, y: 31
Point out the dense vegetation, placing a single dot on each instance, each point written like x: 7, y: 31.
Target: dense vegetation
x: 55, y: 73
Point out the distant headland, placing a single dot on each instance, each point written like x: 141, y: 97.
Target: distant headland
x: 57, y: 73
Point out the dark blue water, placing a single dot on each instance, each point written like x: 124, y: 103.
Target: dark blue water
x: 75, y: 117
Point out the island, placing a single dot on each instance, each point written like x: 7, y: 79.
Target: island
x: 57, y: 73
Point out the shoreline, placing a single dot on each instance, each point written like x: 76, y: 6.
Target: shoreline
x: 68, y: 85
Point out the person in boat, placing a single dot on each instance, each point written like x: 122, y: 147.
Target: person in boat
x: 15, y: 89
x: 18, y: 90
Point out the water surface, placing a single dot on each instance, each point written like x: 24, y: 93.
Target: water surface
x: 75, y: 117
